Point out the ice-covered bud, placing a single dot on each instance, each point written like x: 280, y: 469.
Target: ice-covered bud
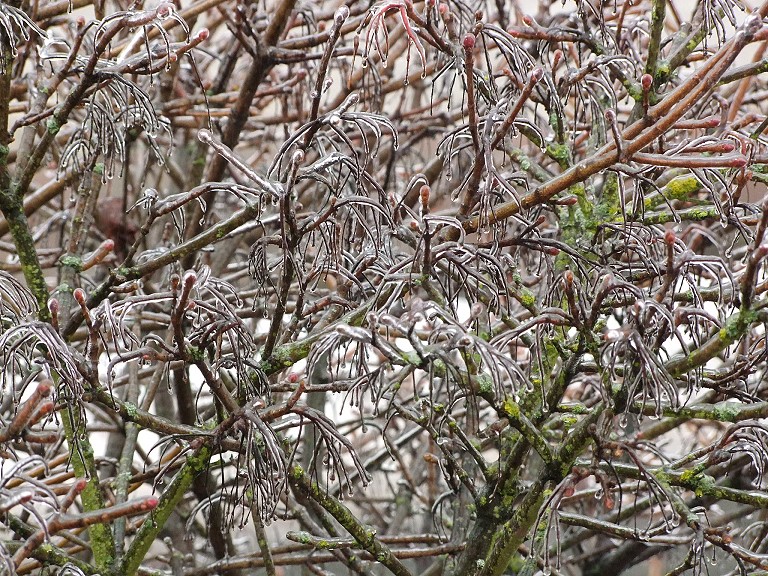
x: 342, y: 13
x: 79, y: 295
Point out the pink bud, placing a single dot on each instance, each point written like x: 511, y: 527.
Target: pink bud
x: 189, y: 279
x: 79, y: 295
x: 164, y: 11
x: 737, y: 162
x: 557, y: 57
x: 424, y: 195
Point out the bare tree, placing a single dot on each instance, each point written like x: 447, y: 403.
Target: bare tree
x: 411, y: 288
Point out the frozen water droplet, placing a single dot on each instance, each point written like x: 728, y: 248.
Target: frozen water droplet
x: 599, y: 494
x: 529, y: 386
